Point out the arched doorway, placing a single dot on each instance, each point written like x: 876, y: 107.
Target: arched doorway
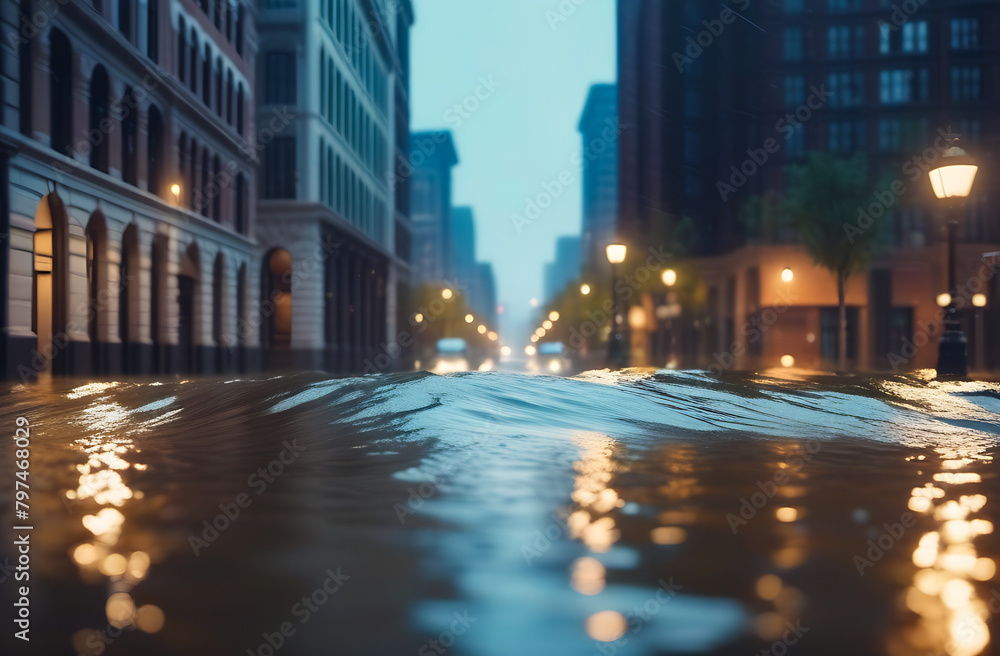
x: 97, y: 295
x: 276, y: 304
x: 50, y: 283
x: 219, y: 313
x: 188, y: 277
x: 128, y: 296
x: 157, y: 299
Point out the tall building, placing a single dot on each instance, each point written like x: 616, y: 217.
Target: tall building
x: 709, y: 89
x: 483, y: 295
x: 564, y: 269
x: 127, y: 162
x: 432, y: 157
x: 334, y: 99
x: 462, y: 260
x: 600, y: 130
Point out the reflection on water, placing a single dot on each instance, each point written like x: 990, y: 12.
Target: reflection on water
x: 668, y: 512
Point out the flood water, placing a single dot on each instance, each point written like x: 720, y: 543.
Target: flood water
x: 494, y: 514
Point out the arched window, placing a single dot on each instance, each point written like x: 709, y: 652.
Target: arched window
x: 194, y: 61
x: 240, y: 23
x: 129, y: 110
x: 218, y: 86
x: 25, y: 73
x: 184, y: 156
x: 277, y: 291
x: 153, y: 30
x: 155, y: 153
x: 206, y: 176
x: 181, y: 49
x: 229, y: 97
x: 206, y: 77
x: 239, y: 108
x: 61, y: 93
x: 125, y: 18
x: 215, y: 186
x: 99, y: 122
x: 241, y: 204
x: 191, y: 181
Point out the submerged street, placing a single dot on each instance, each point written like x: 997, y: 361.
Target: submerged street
x: 639, y: 512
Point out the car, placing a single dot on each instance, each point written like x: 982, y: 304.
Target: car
x: 552, y: 358
x: 452, y: 356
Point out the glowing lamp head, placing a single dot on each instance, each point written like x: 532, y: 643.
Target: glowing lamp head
x: 446, y: 294
x: 418, y: 318
x: 787, y: 361
x: 585, y: 289
x: 944, y: 300
x: 616, y: 253
x: 954, y: 175
x: 529, y: 350
x: 787, y: 275
x: 481, y: 329
x: 547, y: 325
x: 669, y: 277
x: 175, y: 189
x: 979, y: 300
x: 469, y: 318
x: 553, y: 316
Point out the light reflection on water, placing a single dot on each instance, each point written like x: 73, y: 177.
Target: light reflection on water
x: 646, y: 472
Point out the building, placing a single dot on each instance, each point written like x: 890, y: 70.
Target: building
x: 462, y: 260
x: 483, y: 294
x: 432, y: 157
x: 564, y: 269
x: 600, y: 131
x: 708, y: 88
x: 127, y: 162
x: 332, y: 213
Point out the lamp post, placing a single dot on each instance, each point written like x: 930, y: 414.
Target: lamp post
x: 952, y: 181
x: 617, y: 349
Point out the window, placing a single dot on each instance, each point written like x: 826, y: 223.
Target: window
x: 153, y: 31
x: 839, y: 41
x: 61, y: 93
x: 215, y: 188
x: 829, y: 332
x: 965, y: 83
x: 240, y: 27
x: 795, y: 90
x: 239, y: 108
x: 206, y: 77
x: 280, y: 79
x: 968, y: 130
x: 889, y: 138
x: 279, y: 168
x: 846, y: 89
x: 885, y: 38
x: 99, y: 132
x: 915, y: 36
x: 25, y: 71
x: 154, y: 152
x: 194, y: 61
x: 845, y: 136
x: 896, y: 87
x: 181, y: 50
x: 128, y: 109
x: 796, y: 143
x: 964, y: 33
x: 218, y: 87
x: 241, y: 204
x: 229, y: 97
x: 125, y: 18
x: 793, y: 43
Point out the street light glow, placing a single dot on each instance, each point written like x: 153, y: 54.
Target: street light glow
x: 469, y: 318
x: 547, y: 325
x: 584, y: 289
x: 534, y: 302
x: 787, y: 275
x: 979, y: 300
x: 553, y: 316
x: 481, y: 329
x: 954, y: 177
x: 505, y: 351
x: 787, y: 361
x: 616, y: 253
x: 534, y: 338
x: 540, y: 332
x: 669, y: 277
x: 493, y: 336
x: 418, y: 318
x: 175, y: 189
x: 446, y: 293
x: 944, y: 300
x: 528, y: 350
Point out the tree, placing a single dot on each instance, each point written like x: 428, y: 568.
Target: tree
x: 827, y: 202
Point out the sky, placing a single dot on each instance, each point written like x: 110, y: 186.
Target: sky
x: 531, y: 63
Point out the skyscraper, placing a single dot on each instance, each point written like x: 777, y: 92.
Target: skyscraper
x: 600, y: 130
x: 334, y: 80
x: 432, y: 156
x: 462, y: 260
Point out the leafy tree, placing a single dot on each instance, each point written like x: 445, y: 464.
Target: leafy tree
x: 827, y: 201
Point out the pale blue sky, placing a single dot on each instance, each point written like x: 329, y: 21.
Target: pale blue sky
x: 523, y: 133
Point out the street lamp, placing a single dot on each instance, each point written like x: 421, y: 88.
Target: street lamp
x: 584, y: 289
x: 175, y: 189
x: 446, y: 293
x: 617, y: 350
x: 669, y: 277
x: 787, y: 275
x: 952, y: 181
x: 553, y: 316
x: 469, y: 318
